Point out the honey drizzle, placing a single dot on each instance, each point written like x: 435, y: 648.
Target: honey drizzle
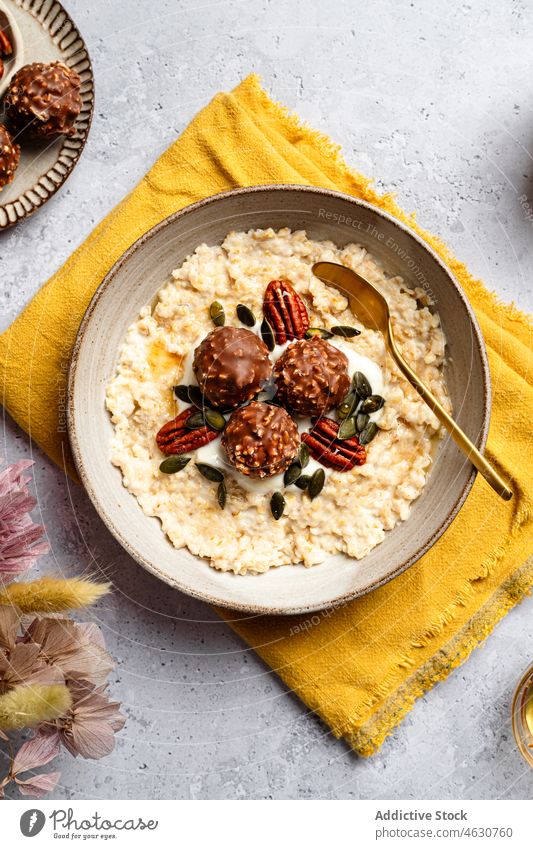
x: 167, y: 368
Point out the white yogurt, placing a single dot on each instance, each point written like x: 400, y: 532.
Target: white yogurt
x: 357, y: 362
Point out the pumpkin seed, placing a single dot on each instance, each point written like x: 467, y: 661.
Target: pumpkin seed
x: 348, y: 406
x: 347, y: 429
x: 303, y: 455
x: 316, y: 484
x: 318, y: 331
x: 245, y: 315
x: 277, y: 505
x: 361, y: 421
x: 196, y: 396
x: 210, y: 472
x: 292, y: 474
x: 368, y: 433
x: 267, y: 335
x: 195, y: 421
x: 303, y: 481
x: 222, y: 494
x: 372, y: 404
x: 182, y: 392
x: 345, y: 331
x: 215, y: 420
x: 361, y: 385
x: 218, y: 316
x: 174, y: 464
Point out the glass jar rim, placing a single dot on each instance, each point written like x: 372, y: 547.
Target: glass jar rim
x: 523, y: 734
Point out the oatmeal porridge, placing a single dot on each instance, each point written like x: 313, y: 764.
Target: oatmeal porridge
x: 258, y: 420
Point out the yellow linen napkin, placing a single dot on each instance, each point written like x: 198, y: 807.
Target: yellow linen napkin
x: 362, y: 666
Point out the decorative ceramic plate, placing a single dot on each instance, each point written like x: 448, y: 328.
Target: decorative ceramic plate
x: 42, y: 31
x: 132, y: 283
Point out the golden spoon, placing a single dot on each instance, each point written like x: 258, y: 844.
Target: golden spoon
x: 372, y: 310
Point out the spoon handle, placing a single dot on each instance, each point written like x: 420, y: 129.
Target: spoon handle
x: 476, y: 458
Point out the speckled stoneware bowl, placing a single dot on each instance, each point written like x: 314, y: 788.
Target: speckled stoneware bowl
x: 43, y: 32
x: 132, y: 283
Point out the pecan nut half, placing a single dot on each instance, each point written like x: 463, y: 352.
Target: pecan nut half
x: 175, y: 438
x: 6, y: 48
x: 339, y: 454
x: 285, y: 311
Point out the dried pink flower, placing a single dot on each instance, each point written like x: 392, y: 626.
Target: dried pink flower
x: 9, y: 627
x: 40, y: 750
x: 25, y: 666
x: 47, y: 649
x: 19, y: 535
x: 34, y: 753
x: 90, y: 726
x: 38, y: 785
x: 71, y: 648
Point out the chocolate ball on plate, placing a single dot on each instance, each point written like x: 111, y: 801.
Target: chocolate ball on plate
x: 44, y: 100
x: 231, y: 365
x: 260, y: 440
x: 311, y: 377
x: 9, y: 157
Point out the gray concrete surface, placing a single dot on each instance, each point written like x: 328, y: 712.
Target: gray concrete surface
x: 436, y: 101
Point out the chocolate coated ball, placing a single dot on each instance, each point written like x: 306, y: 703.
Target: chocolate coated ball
x: 9, y: 157
x: 44, y: 100
x: 231, y: 365
x: 311, y: 377
x: 260, y: 440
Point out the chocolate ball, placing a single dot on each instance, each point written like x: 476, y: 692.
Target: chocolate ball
x: 231, y: 365
x: 260, y: 440
x: 9, y: 157
x: 311, y: 377
x: 44, y: 100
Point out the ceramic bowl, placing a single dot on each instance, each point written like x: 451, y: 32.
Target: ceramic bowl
x: 43, y: 32
x: 132, y: 283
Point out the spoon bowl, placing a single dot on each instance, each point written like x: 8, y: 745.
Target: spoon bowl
x: 365, y: 301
